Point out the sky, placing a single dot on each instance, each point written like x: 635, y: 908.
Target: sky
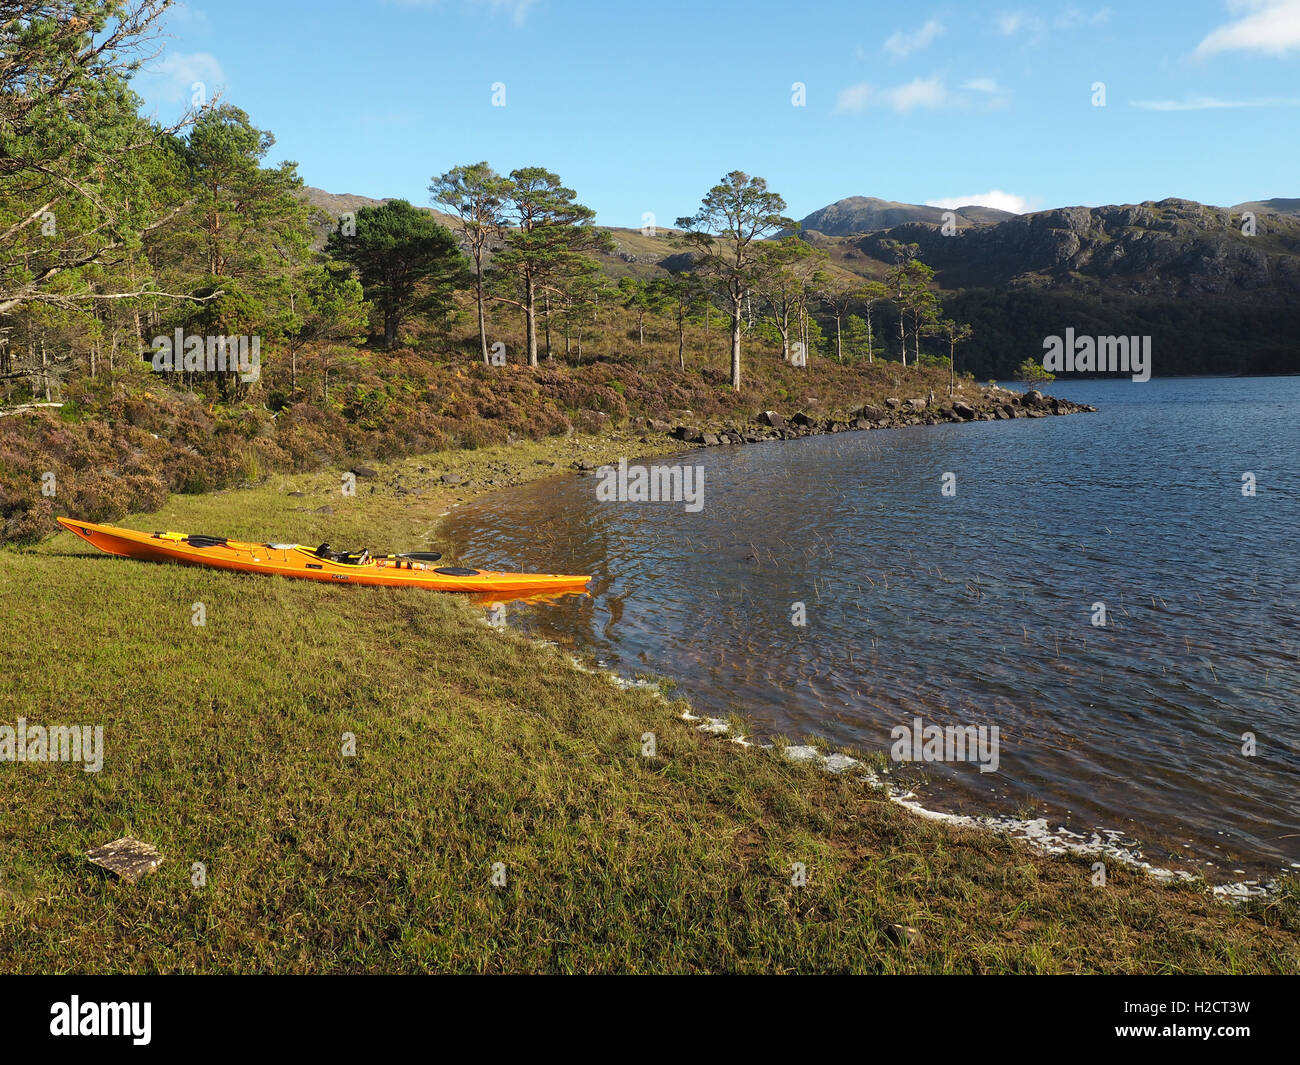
x: 642, y: 107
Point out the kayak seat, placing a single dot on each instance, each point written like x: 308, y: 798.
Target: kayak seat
x: 345, y: 558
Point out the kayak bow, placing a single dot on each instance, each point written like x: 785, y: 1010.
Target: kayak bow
x: 294, y: 560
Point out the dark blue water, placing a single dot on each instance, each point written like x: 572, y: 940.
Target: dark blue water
x: 978, y: 608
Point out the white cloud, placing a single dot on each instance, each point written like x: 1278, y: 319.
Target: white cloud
x: 922, y: 93
x: 854, y: 98
x: 1072, y: 18
x: 1010, y: 23
x: 171, y: 78
x: 1003, y: 201
x: 516, y: 9
x: 904, y: 44
x: 1034, y: 28
x: 1269, y: 26
x: 189, y: 16
x: 1212, y: 103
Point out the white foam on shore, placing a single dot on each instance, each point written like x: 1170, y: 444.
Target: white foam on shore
x: 1106, y: 843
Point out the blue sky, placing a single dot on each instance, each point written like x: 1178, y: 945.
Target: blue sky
x: 642, y: 107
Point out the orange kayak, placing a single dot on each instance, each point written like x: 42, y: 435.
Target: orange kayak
x: 294, y: 560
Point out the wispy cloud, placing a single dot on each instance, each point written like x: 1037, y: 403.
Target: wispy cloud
x: 1074, y: 19
x: 187, y: 15
x: 922, y: 94
x: 903, y: 44
x: 988, y: 93
x: 1268, y: 26
x: 1213, y: 103
x: 1032, y: 28
x: 1011, y: 23
x: 854, y: 98
x: 516, y: 10
x: 171, y: 78
x: 1003, y: 201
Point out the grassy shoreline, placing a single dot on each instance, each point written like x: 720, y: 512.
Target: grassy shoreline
x: 477, y: 750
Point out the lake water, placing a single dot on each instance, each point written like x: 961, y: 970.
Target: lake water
x: 978, y: 608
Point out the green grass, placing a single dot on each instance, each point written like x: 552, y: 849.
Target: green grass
x: 223, y: 745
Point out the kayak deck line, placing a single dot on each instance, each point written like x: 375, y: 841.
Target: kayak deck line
x: 294, y: 560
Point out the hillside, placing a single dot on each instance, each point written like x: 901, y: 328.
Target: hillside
x: 861, y: 214
x: 1174, y: 248
x: 1214, y: 299
x: 1278, y: 205
x: 330, y: 205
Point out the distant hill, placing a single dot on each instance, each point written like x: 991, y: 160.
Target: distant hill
x: 1212, y: 299
x: 330, y: 205
x: 1172, y: 248
x: 862, y: 214
x: 1276, y: 205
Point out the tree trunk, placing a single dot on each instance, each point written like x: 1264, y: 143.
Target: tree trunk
x: 390, y: 328
x: 530, y: 318
x: 839, y: 346
x: 871, y: 358
x: 547, y: 321
x: 681, y: 338
x: 737, y: 309
x: 902, y: 329
x: 478, y: 295
x: 135, y: 311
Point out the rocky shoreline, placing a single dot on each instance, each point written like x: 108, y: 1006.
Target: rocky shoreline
x: 994, y: 404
